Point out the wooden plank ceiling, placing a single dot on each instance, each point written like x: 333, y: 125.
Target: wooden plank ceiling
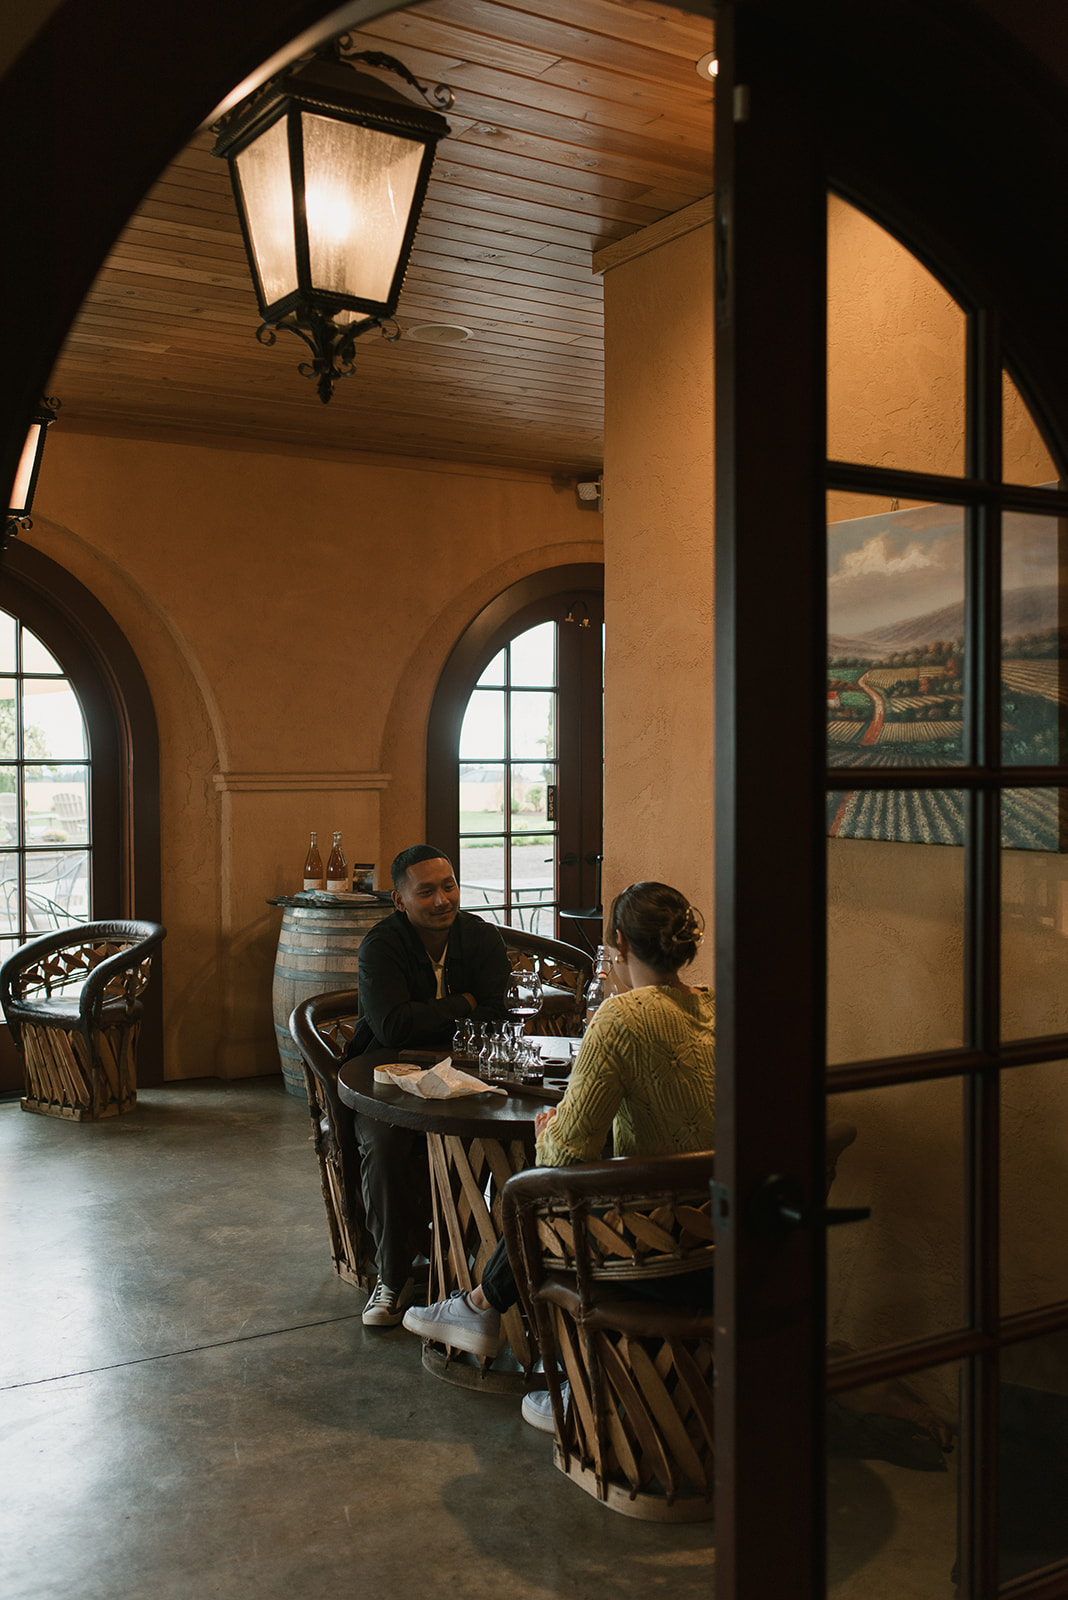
x: 576, y: 123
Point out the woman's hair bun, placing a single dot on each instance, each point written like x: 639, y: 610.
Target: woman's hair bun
x: 663, y: 929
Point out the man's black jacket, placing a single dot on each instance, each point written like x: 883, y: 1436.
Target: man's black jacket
x: 398, y: 1005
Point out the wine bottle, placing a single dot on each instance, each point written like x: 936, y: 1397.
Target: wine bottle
x: 313, y: 866
x: 598, y: 984
x: 337, y: 869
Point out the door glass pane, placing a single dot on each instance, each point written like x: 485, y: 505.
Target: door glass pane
x: 1034, y: 928
x: 482, y: 873
x: 482, y: 734
x: 494, y: 673
x: 9, y: 732
x: 9, y: 892
x: 1034, y: 671
x: 41, y: 823
x: 1034, y: 1454
x: 1034, y: 1182
x: 895, y: 635
x: 899, y: 1275
x: 534, y: 656
x: 70, y: 805
x: 893, y: 1488
x: 35, y: 658
x: 532, y: 870
x: 533, y: 729
x: 895, y: 928
x: 530, y: 785
x: 895, y: 353
x: 1026, y: 458
x: 481, y: 797
x: 57, y: 888
x: 52, y: 719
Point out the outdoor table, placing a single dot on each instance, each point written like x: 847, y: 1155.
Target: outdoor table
x: 474, y: 1144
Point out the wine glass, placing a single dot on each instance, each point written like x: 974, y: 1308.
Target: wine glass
x: 522, y: 998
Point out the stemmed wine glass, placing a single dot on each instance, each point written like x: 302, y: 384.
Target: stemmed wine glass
x: 522, y: 999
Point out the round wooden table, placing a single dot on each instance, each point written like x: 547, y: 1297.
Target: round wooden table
x: 474, y: 1144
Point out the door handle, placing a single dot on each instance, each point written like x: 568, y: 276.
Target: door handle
x: 570, y: 860
x: 592, y: 859
x: 776, y: 1207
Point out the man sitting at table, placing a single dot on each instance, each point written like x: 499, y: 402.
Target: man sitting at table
x: 421, y: 970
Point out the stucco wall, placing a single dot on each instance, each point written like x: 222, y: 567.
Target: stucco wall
x: 659, y: 574
x: 291, y: 616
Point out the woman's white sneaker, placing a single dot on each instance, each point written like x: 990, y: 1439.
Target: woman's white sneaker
x: 538, y: 1407
x: 456, y: 1322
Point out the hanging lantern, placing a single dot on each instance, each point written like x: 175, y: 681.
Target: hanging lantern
x: 25, y: 484
x: 330, y: 168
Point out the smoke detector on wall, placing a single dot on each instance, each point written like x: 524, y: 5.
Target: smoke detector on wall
x: 592, y: 493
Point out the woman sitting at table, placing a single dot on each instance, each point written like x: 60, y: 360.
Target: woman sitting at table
x: 646, y: 1069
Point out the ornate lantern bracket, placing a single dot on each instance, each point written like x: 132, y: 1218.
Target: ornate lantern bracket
x: 329, y: 168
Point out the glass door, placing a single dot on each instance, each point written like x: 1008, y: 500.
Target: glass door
x: 892, y: 1395
x: 515, y: 760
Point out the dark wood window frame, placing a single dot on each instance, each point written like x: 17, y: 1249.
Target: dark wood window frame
x: 521, y: 605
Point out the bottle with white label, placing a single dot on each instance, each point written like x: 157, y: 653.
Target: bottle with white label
x: 338, y: 880
x: 313, y: 866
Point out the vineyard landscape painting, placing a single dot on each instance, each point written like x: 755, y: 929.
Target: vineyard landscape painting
x: 896, y: 653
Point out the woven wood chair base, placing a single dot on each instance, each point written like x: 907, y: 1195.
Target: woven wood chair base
x: 350, y: 1243
x: 466, y: 1230
x: 647, y: 1433
x: 63, y: 1080
x: 647, y: 1507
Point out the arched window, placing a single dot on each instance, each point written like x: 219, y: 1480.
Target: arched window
x: 515, y: 754
x: 79, y: 772
x: 45, y: 822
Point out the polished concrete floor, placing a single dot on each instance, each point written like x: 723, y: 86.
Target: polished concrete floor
x: 191, y: 1408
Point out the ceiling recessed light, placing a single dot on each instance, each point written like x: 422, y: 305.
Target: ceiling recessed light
x: 437, y: 333
x: 708, y: 66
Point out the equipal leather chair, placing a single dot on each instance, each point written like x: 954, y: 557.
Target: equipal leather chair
x: 72, y: 1000
x: 321, y: 1027
x: 585, y: 1242
x: 590, y: 1246
x: 564, y: 970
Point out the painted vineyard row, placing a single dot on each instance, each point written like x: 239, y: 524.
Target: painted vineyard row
x: 1042, y: 678
x: 1029, y: 817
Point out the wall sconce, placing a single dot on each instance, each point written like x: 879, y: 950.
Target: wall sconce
x: 330, y: 168
x: 25, y: 485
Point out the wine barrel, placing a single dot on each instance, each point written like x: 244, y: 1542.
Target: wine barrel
x: 318, y: 949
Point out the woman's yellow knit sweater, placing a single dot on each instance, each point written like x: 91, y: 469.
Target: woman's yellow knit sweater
x: 647, y: 1069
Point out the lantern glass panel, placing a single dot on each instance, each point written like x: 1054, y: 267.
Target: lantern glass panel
x: 22, y: 490
x: 263, y: 172
x: 359, y: 185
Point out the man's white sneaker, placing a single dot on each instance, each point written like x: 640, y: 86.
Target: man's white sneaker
x: 458, y: 1323
x: 385, y: 1307
x: 538, y: 1407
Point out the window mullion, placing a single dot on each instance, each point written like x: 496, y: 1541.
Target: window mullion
x: 983, y: 603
